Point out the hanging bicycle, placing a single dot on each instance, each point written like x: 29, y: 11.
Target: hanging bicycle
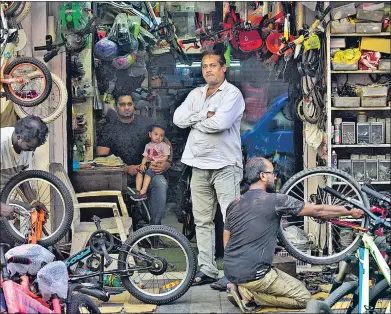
x: 26, y: 81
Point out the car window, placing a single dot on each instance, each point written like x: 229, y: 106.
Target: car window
x: 280, y: 123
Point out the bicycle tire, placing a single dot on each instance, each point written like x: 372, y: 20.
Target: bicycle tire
x: 78, y: 300
x: 23, y: 111
x: 345, y: 289
x: 311, y: 117
x: 189, y: 277
x: 378, y: 291
x: 12, y: 8
x: 63, y: 190
x: 317, y: 306
x: 333, y: 258
x: 20, y: 15
x: 46, y: 73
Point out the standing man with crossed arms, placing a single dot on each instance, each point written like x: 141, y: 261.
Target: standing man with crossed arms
x: 213, y: 149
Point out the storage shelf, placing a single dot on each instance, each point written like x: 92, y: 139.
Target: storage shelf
x: 360, y: 145
x: 360, y: 34
x: 360, y: 72
x: 359, y: 108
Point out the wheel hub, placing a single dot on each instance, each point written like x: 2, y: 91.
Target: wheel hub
x: 158, y: 266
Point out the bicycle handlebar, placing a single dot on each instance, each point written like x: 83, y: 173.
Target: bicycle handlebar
x: 376, y: 194
x: 356, y: 204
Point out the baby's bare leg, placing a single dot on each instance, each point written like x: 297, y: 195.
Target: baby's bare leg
x: 139, y: 180
x: 147, y: 181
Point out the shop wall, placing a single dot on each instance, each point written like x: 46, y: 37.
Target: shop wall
x: 35, y: 27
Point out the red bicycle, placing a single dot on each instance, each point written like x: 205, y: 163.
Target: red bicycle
x: 20, y: 298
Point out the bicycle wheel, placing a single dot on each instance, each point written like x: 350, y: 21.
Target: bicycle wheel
x: 52, y: 107
x: 22, y: 12
x: 29, y: 92
x: 316, y: 306
x: 159, y: 276
x: 51, y: 193
x: 10, y: 7
x: 80, y: 303
x: 344, y: 292
x: 318, y: 241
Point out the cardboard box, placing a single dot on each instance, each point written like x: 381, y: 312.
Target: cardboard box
x: 376, y: 44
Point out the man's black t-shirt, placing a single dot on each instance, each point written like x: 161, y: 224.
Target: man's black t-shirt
x: 253, y: 221
x: 127, y: 140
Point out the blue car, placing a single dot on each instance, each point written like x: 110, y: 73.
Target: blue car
x: 272, y: 136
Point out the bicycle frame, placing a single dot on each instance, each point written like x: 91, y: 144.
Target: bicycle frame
x: 369, y: 247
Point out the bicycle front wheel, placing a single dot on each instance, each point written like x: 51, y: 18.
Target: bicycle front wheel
x: 53, y: 196
x: 318, y: 241
x: 26, y: 91
x: 162, y: 262
x: 52, y: 107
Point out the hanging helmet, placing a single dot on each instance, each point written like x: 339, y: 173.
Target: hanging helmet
x: 105, y: 49
x: 124, y: 62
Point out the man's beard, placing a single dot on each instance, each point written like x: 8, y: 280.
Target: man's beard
x: 270, y: 186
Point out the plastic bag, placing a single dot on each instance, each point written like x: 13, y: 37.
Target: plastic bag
x: 37, y: 255
x: 53, y: 279
x: 369, y: 60
x: 125, y: 32
x: 348, y: 56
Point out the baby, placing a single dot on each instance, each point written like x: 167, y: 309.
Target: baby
x: 156, y: 150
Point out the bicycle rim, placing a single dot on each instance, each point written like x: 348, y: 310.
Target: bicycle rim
x: 173, y: 262
x: 320, y: 241
x: 52, y: 107
x: 47, y: 194
x: 31, y: 88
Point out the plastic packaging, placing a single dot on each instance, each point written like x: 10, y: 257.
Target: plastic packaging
x: 53, y: 279
x: 124, y: 32
x: 19, y: 302
x: 346, y: 59
x: 369, y: 60
x: 37, y: 255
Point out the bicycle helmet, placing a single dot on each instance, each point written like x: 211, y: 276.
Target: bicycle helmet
x: 106, y: 50
x: 124, y: 62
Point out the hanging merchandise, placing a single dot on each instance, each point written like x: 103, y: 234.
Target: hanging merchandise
x: 106, y: 50
x: 124, y: 62
x: 124, y: 33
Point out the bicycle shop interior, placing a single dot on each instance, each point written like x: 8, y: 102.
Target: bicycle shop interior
x: 316, y: 88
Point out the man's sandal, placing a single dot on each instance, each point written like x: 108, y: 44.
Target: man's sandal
x: 246, y: 307
x: 202, y: 279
